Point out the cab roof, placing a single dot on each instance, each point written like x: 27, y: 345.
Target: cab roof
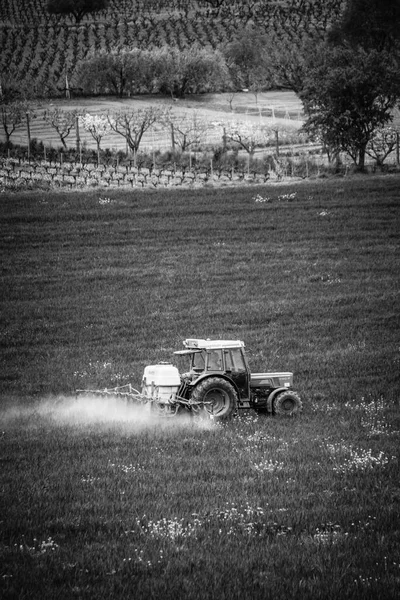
x: 200, y: 344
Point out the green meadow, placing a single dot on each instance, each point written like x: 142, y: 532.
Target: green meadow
x: 99, y: 500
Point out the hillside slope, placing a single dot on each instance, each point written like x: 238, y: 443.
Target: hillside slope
x: 39, y: 50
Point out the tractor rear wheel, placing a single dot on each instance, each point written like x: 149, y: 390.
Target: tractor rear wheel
x: 219, y: 397
x: 287, y: 403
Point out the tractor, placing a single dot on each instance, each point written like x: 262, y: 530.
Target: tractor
x: 217, y: 383
x: 219, y: 380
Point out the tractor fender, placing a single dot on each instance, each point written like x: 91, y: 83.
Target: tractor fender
x: 193, y: 383
x: 272, y: 395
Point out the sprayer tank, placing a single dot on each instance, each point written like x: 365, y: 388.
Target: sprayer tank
x: 161, y: 382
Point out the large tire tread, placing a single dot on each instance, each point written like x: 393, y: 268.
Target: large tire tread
x: 217, y: 383
x: 287, y: 403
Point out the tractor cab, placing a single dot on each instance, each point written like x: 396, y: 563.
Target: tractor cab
x: 223, y: 358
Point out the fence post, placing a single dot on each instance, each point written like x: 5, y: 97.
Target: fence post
x: 28, y: 127
x: 172, y: 137
x: 78, y: 139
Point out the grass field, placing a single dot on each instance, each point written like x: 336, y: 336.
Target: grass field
x: 98, y: 501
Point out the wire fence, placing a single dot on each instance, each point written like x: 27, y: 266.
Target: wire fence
x: 158, y: 137
x: 206, y: 135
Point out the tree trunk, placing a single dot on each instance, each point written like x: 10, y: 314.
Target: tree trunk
x: 277, y: 141
x: 361, y: 157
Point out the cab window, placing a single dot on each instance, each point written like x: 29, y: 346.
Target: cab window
x: 237, y: 360
x: 228, y: 361
x: 214, y: 362
x: 198, y: 361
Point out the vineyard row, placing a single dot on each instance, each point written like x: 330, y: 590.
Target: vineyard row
x: 290, y: 12
x: 44, y: 55
x: 39, y: 49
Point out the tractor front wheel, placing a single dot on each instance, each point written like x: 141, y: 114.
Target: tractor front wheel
x: 288, y: 404
x: 218, y: 397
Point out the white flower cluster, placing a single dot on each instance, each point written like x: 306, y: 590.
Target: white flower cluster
x: 328, y: 534
x: 372, y: 416
x: 260, y: 198
x: 104, y: 201
x: 349, y: 459
x: 38, y: 548
x: 268, y: 465
x: 90, y: 479
x: 131, y: 468
x: 169, y: 529
x: 280, y: 198
x: 97, y: 125
x: 229, y: 520
x: 287, y: 197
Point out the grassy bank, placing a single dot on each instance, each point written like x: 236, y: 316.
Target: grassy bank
x: 98, y: 500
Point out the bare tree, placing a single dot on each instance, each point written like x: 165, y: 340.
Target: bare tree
x: 12, y: 115
x: 131, y: 124
x: 247, y: 135
x: 187, y: 131
x: 62, y: 121
x: 382, y: 143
